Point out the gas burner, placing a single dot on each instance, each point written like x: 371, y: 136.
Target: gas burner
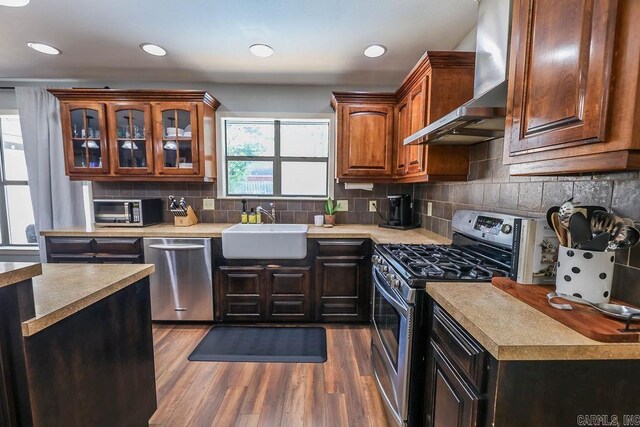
x: 442, y: 262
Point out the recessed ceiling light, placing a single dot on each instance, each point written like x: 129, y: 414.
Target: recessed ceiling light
x: 375, y: 50
x: 44, y: 48
x: 261, y: 50
x: 153, y: 49
x: 14, y: 3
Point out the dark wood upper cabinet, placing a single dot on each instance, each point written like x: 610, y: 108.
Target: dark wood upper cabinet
x: 85, y: 138
x: 573, y: 87
x: 372, y: 126
x: 138, y: 135
x: 365, y: 134
x: 403, y: 122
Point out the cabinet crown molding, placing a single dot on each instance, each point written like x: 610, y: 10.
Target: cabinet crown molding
x: 143, y: 95
x: 362, y: 97
x: 432, y: 60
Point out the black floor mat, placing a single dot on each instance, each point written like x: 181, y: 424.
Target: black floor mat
x: 262, y: 344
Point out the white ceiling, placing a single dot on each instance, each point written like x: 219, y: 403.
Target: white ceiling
x: 315, y: 41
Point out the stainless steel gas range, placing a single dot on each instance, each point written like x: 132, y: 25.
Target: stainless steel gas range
x: 484, y: 245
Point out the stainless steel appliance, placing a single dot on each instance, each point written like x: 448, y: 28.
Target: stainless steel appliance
x: 127, y: 212
x: 182, y: 285
x: 481, y: 118
x: 484, y: 245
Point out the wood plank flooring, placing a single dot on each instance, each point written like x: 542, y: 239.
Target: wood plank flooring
x: 339, y: 392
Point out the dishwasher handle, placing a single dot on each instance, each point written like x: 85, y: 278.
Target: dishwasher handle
x: 176, y: 247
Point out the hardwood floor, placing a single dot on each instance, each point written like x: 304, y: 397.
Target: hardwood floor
x: 339, y: 392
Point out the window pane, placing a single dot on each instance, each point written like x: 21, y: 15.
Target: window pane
x: 21, y: 223
x: 13, y: 150
x: 300, y: 139
x: 250, y: 138
x: 304, y: 178
x: 250, y: 177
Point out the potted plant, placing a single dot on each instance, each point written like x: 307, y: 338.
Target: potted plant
x: 330, y: 210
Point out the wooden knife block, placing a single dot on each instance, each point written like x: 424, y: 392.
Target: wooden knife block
x: 186, y: 221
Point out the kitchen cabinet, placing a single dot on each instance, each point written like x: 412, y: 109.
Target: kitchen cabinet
x: 241, y: 294
x: 98, y: 250
x: 467, y: 386
x: 372, y: 126
x: 289, y: 294
x: 365, y: 135
x: 343, y: 281
x: 572, y: 100
x: 138, y: 135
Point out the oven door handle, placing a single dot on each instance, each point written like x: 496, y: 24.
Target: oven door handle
x: 396, y: 302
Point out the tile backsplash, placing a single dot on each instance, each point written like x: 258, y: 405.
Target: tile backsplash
x: 228, y: 210
x: 491, y: 188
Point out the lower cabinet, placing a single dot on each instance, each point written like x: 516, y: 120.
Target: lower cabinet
x: 332, y: 284
x: 262, y: 294
x: 343, y: 284
x: 94, y: 250
x: 466, y: 386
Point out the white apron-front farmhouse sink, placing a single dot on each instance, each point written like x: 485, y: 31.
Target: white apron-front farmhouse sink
x: 265, y: 241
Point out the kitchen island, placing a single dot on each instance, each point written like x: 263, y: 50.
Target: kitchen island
x: 76, y: 345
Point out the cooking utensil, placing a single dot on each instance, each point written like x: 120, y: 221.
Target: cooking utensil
x: 617, y: 311
x: 598, y: 243
x: 561, y: 232
x: 580, y: 229
x: 602, y: 221
x: 629, y: 237
x: 551, y: 211
x: 566, y: 210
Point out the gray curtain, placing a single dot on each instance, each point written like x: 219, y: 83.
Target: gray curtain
x: 57, y: 201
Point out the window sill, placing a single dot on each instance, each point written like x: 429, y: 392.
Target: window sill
x: 322, y: 198
x: 19, y: 250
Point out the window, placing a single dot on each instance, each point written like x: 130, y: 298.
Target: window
x: 276, y: 158
x: 16, y: 213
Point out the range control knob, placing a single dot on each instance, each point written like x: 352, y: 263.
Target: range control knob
x: 375, y: 259
x: 391, y: 277
x: 384, y: 268
x: 395, y: 283
x: 506, y: 229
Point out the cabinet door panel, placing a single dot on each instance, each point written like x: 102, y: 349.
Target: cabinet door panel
x: 176, y: 138
x: 366, y: 140
x: 241, y: 294
x: 342, y: 292
x: 454, y: 402
x: 289, y: 294
x: 84, y: 132
x: 130, y: 143
x: 560, y: 73
x: 418, y: 97
x: 402, y: 131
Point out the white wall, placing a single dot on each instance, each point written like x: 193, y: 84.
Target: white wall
x: 468, y: 43
x: 234, y: 98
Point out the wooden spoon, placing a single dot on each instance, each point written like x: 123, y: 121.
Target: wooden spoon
x: 561, y: 232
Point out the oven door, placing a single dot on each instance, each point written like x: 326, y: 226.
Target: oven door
x: 391, y: 346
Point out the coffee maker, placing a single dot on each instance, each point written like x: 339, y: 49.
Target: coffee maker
x: 400, y: 212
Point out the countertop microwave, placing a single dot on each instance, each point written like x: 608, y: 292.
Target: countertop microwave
x: 127, y: 212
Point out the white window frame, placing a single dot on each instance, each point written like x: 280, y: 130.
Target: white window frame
x: 221, y: 152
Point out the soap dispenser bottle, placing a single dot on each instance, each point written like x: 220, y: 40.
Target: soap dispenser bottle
x: 252, y: 216
x: 244, y: 218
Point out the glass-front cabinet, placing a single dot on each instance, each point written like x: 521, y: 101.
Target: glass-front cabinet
x: 138, y: 135
x: 85, y: 138
x: 176, y: 143
x: 130, y: 138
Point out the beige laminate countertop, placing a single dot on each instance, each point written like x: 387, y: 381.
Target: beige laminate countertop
x: 377, y: 234
x: 512, y: 330
x: 15, y: 272
x: 65, y: 289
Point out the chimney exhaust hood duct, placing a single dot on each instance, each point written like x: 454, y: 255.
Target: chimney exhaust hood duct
x: 482, y: 118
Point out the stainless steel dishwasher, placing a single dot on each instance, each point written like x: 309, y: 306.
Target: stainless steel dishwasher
x: 182, y: 285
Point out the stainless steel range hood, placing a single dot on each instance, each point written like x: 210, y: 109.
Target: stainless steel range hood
x: 482, y: 118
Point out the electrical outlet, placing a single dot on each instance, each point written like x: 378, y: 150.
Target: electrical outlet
x: 429, y: 208
x: 208, y: 204
x: 342, y: 205
x: 372, y: 205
